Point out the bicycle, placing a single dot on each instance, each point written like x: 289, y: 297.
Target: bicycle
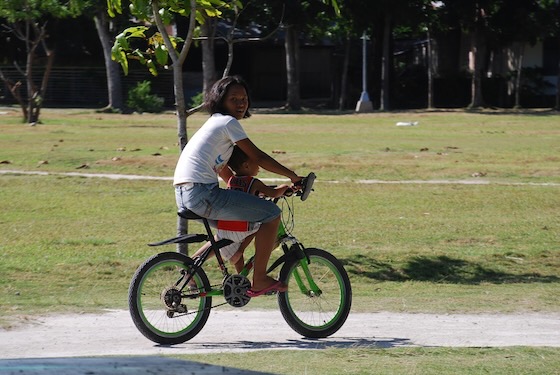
x: 170, y: 295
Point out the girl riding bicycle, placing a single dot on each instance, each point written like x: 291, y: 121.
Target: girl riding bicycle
x: 205, y: 157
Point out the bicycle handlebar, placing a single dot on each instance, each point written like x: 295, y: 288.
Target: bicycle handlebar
x: 306, y: 188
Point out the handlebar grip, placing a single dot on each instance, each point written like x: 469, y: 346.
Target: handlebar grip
x: 307, y: 185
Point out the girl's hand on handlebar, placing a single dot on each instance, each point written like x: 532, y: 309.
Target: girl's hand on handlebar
x: 294, y: 188
x: 298, y: 185
x: 296, y: 179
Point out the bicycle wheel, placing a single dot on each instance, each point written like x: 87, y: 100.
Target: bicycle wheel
x: 159, y: 308
x: 315, y: 311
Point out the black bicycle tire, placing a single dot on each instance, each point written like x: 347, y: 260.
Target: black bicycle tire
x: 295, y: 319
x: 140, y: 317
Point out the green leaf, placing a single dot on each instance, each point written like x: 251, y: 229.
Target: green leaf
x: 114, y: 7
x: 213, y: 12
x: 121, y: 42
x: 135, y: 32
x: 152, y: 67
x: 161, y: 54
x: 166, y: 16
x: 141, y: 9
x: 119, y: 56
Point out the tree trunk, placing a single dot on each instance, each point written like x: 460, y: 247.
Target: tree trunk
x: 39, y: 96
x: 344, y: 79
x: 518, y: 76
x: 31, y: 90
x: 430, y: 72
x: 386, y: 64
x: 558, y: 85
x: 36, y: 96
x: 112, y: 69
x: 478, y: 50
x: 208, y: 29
x: 182, y: 224
x: 180, y: 105
x: 291, y: 45
x: 33, y: 34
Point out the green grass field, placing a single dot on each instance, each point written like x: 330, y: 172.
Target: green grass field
x: 395, y: 361
x: 71, y: 244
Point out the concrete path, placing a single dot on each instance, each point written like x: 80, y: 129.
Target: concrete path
x: 114, y: 334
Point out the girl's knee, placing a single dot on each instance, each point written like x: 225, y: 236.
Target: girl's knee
x: 274, y: 221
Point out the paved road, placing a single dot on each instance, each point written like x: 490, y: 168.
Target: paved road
x: 114, y: 334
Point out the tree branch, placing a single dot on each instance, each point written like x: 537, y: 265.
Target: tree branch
x: 163, y: 32
x: 190, y: 32
x: 14, y: 90
x: 194, y: 110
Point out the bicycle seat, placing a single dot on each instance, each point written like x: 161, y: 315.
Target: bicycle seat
x: 188, y: 214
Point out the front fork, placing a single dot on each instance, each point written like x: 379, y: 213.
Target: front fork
x: 302, y: 274
x: 293, y: 249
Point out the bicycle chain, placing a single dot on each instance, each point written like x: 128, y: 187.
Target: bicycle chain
x: 207, y: 308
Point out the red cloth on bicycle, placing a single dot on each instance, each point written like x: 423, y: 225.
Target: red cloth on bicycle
x: 240, y: 183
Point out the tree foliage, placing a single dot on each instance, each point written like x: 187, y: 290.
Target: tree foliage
x: 498, y: 25
x: 27, y: 20
x: 20, y: 10
x: 152, y: 45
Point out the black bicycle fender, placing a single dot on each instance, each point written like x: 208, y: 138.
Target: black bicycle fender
x: 222, y: 243
x: 186, y: 238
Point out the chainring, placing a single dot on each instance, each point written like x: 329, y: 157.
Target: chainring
x: 235, y: 290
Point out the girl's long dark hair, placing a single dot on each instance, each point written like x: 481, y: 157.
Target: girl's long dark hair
x: 214, y: 102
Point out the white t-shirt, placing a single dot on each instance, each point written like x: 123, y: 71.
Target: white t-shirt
x: 209, y: 150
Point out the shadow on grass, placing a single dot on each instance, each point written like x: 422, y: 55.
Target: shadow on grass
x: 439, y: 269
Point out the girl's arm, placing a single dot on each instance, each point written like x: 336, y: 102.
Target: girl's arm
x: 265, y: 161
x: 226, y: 174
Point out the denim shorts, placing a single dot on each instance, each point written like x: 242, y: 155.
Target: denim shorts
x: 214, y: 203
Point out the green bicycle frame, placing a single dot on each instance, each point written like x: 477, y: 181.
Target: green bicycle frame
x: 303, y: 262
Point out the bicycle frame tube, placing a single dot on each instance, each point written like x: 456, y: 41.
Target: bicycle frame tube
x: 212, y: 293
x: 216, y: 246
x: 247, y: 267
x: 281, y: 230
